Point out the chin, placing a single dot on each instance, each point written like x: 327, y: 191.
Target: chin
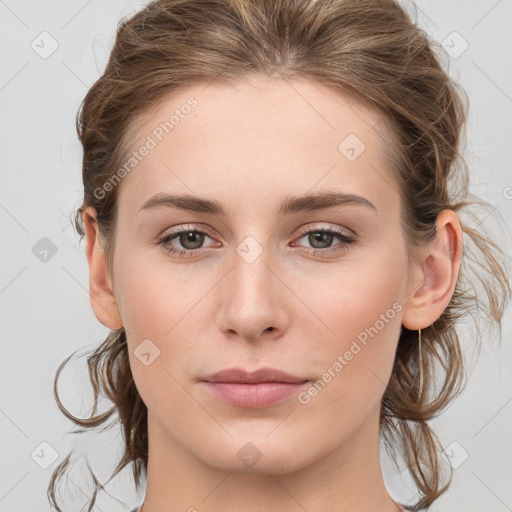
x: 259, y: 455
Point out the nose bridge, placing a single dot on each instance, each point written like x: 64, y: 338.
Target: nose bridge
x: 250, y: 297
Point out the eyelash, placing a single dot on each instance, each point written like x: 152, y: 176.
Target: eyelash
x: 346, y: 240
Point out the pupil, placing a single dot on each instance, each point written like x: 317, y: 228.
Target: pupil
x: 324, y: 238
x: 187, y: 238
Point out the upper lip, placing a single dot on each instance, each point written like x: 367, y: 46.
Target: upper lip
x: 261, y: 375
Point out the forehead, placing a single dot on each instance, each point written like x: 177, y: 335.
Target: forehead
x: 212, y: 137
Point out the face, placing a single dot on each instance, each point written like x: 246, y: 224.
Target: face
x: 269, y: 281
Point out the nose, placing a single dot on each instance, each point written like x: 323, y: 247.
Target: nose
x: 253, y: 297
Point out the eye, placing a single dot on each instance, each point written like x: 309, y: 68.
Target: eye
x: 190, y: 238
x: 321, y: 240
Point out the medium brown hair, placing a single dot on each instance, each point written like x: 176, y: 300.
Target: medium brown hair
x: 370, y: 49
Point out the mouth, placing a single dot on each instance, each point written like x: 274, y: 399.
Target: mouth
x: 253, y: 390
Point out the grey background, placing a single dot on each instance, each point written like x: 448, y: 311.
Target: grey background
x: 45, y: 310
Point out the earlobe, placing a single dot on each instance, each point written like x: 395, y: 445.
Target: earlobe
x: 101, y: 293
x: 436, y: 274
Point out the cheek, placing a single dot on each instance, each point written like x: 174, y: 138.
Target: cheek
x: 358, y: 295
x: 155, y: 296
x: 361, y: 307
x: 158, y: 315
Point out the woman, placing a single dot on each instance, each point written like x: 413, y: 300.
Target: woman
x: 270, y: 211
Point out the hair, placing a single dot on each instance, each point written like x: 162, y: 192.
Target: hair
x: 369, y: 49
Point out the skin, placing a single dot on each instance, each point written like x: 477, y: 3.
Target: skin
x: 247, y: 146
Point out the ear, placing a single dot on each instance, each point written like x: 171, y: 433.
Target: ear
x: 101, y: 293
x: 435, y: 274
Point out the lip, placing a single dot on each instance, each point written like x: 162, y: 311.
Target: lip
x: 241, y: 376
x: 253, y: 390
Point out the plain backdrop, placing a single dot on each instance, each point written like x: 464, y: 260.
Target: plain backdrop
x: 52, y: 52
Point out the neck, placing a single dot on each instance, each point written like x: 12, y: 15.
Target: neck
x: 348, y: 478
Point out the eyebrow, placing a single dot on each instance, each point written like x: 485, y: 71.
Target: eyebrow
x: 291, y: 204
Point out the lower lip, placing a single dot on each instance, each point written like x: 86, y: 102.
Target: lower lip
x: 254, y: 396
